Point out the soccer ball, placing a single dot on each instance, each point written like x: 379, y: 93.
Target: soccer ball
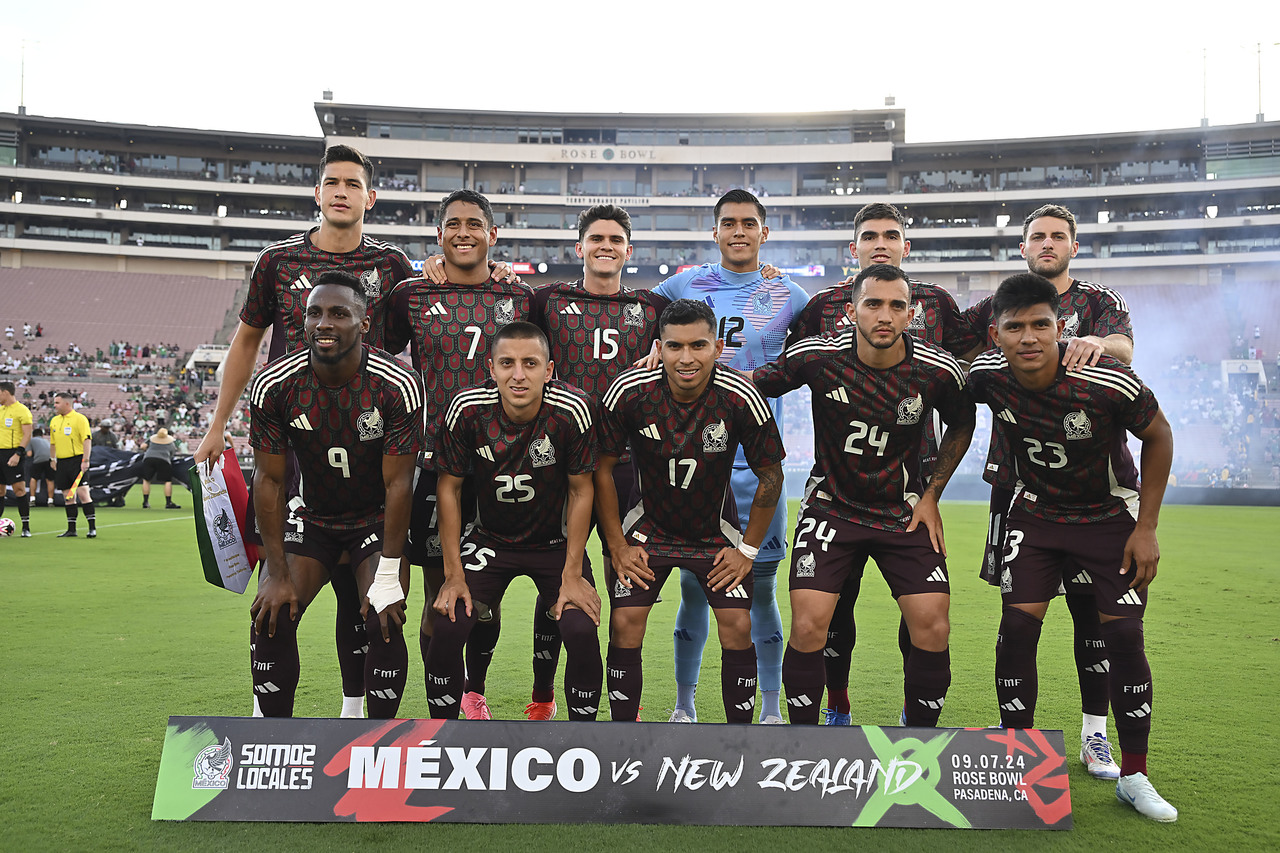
x: 7, y: 527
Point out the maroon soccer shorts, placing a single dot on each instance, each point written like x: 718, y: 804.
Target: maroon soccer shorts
x: 423, y: 547
x: 327, y: 546
x: 827, y: 550
x: 737, y: 599
x: 1041, y: 555
x: 489, y: 571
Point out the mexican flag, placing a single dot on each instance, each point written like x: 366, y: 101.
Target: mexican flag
x: 221, y: 504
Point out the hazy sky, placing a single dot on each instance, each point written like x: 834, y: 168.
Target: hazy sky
x: 962, y: 71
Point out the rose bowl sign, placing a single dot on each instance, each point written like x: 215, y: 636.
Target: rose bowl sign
x: 247, y: 769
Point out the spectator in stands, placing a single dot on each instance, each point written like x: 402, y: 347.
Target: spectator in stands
x: 157, y: 464
x: 104, y: 437
x: 8, y: 332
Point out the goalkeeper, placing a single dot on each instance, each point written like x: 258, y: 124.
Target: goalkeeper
x: 353, y: 417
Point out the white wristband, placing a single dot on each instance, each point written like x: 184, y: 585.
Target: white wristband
x: 749, y: 551
x: 385, y: 589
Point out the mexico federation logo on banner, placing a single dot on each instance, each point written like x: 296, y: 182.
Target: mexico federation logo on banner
x: 213, y: 766
x: 223, y: 530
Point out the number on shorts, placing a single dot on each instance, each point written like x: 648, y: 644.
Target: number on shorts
x: 295, y: 503
x: 682, y: 481
x: 1012, y: 539
x: 875, y: 437
x: 476, y: 333
x: 821, y: 530
x: 482, y: 555
x: 1034, y: 449
x: 514, y: 489
x: 338, y: 459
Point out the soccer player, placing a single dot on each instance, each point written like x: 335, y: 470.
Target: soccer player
x: 15, y: 438
x: 879, y: 238
x: 527, y: 441
x: 753, y: 315
x: 1079, y: 509
x: 447, y: 327
x: 872, y: 389
x: 282, y: 278
x: 597, y: 328
x: 1095, y: 323
x: 352, y: 416
x: 71, y: 438
x: 684, y: 422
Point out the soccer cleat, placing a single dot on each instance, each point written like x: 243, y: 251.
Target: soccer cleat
x: 680, y: 715
x: 832, y: 717
x: 772, y: 720
x: 540, y: 710
x: 172, y: 505
x: 92, y: 534
x: 26, y: 533
x: 1095, y: 752
x: 474, y: 707
x: 146, y: 505
x: 69, y: 534
x: 1136, y: 790
x: 902, y: 716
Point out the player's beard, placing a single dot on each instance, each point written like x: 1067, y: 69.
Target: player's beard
x: 1049, y: 269
x: 888, y: 345
x: 335, y: 357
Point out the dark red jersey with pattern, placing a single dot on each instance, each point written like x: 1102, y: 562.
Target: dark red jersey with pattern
x: 339, y: 434
x: 282, y: 279
x: 448, y: 328
x: 521, y: 471
x: 1070, y: 451
x: 1088, y: 309
x: 937, y: 320
x: 595, y: 337
x: 868, y: 422
x: 683, y: 455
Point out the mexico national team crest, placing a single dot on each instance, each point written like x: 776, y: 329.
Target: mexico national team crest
x: 806, y: 566
x: 213, y: 766
x: 910, y: 410
x: 370, y: 425
x: 542, y: 452
x: 223, y: 530
x: 1071, y: 326
x: 372, y: 286
x: 504, y: 312
x: 715, y: 438
x: 917, y: 319
x: 1078, y: 426
x: 762, y: 303
x: 633, y: 314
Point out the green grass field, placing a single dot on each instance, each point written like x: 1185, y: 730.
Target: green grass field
x: 108, y: 638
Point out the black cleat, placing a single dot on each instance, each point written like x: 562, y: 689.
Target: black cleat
x: 172, y: 505
x: 68, y: 534
x: 92, y: 534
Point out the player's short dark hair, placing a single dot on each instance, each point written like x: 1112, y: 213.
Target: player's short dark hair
x: 6, y: 385
x: 346, y: 154
x: 880, y: 272
x: 470, y: 196
x: 686, y: 312
x: 603, y: 211
x: 66, y: 395
x: 1057, y: 211
x: 521, y: 330
x: 1021, y: 291
x: 738, y: 197
x: 877, y: 210
x: 342, y: 278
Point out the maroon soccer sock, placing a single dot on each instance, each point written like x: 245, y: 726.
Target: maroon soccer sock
x: 1092, y: 665
x: 386, y: 670
x: 275, y: 667
x: 583, y: 670
x: 837, y: 657
x: 802, y: 674
x: 349, y: 633
x: 1130, y: 683
x: 484, y: 639
x: 904, y: 643
x: 1017, y: 682
x: 1133, y: 762
x: 925, y: 686
x: 546, y: 651
x: 445, y: 672
x: 738, y: 684
x: 626, y: 679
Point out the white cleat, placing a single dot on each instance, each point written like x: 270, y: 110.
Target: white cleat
x: 680, y: 715
x: 772, y: 720
x: 1136, y: 790
x: 1095, y: 754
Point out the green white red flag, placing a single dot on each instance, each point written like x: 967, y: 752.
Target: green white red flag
x: 221, y: 503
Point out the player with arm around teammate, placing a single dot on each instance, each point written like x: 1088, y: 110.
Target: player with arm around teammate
x: 872, y: 387
x: 684, y: 421
x: 527, y: 440
x: 352, y: 415
x: 1079, y: 508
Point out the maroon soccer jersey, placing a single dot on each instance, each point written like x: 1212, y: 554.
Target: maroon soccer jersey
x: 448, y: 327
x: 282, y: 279
x: 868, y: 422
x: 595, y: 337
x: 1072, y: 460
x: 937, y: 320
x: 1088, y: 309
x: 339, y: 434
x: 521, y: 471
x: 683, y: 453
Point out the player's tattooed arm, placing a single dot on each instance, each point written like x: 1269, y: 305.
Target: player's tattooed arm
x: 449, y: 505
x: 951, y: 451
x: 275, y: 587
x: 1142, y: 551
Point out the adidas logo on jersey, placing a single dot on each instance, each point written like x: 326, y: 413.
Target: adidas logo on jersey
x: 572, y: 308
x: 840, y: 395
x: 1130, y: 597
x: 1007, y: 417
x: 301, y: 422
x: 937, y: 576
x: 737, y: 592
x: 371, y: 539
x: 773, y: 543
x: 1015, y: 705
x: 438, y: 310
x: 652, y: 431
x: 303, y: 283
x: 484, y: 453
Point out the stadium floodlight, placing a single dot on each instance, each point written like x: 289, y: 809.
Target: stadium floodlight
x: 1104, y: 216
x: 17, y: 197
x: 124, y: 204
x: 542, y: 267
x: 662, y: 269
x: 222, y: 211
x: 1002, y: 220
x: 1211, y: 211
